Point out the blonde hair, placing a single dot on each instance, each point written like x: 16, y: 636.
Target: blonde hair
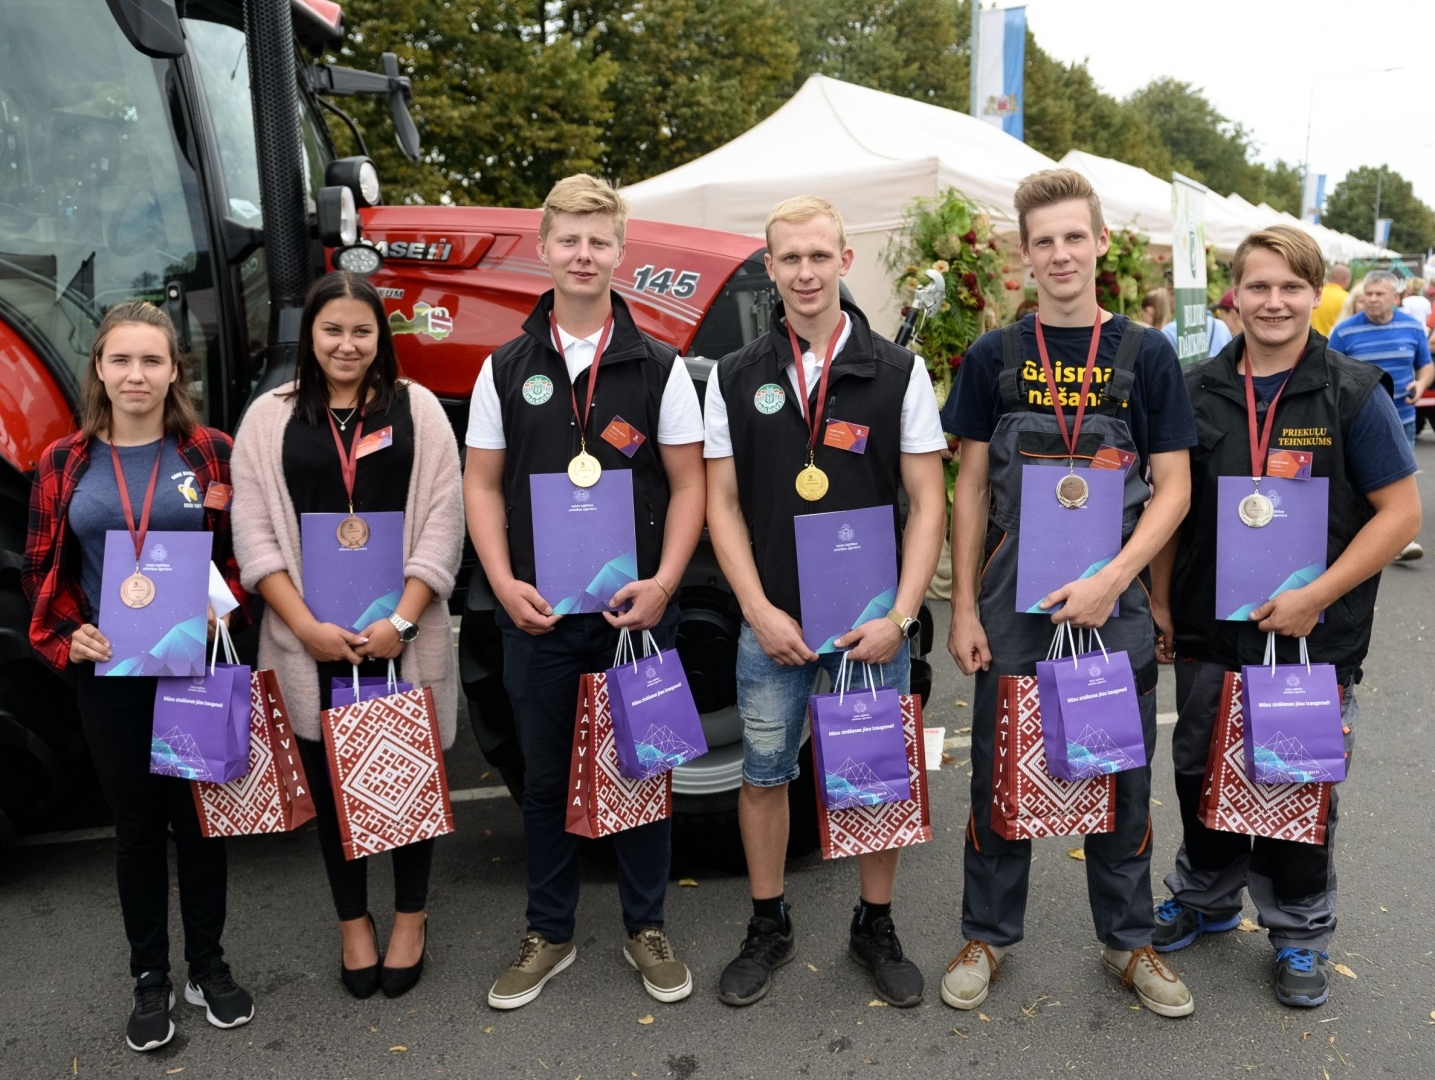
x: 1296, y: 246
x: 1051, y: 186
x: 584, y: 194
x: 1355, y: 296
x: 802, y: 208
x: 180, y: 415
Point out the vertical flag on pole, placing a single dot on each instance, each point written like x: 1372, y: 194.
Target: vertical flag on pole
x: 1188, y: 267
x: 999, y: 63
x: 1312, y: 197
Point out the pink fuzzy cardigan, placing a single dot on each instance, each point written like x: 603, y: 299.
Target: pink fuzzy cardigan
x: 266, y: 540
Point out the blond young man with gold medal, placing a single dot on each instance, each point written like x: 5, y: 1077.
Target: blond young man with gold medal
x: 767, y: 408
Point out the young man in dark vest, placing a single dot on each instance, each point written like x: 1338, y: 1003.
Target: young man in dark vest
x: 765, y: 417
x: 536, y: 409
x: 1341, y: 411
x: 1127, y: 383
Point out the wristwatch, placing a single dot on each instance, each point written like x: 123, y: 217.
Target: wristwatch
x: 407, y: 630
x: 910, y: 627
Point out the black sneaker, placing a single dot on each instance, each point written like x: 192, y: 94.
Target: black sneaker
x: 226, y: 1003
x: 1302, y: 977
x: 749, y: 977
x: 1178, y: 925
x: 898, y: 981
x: 150, y: 1026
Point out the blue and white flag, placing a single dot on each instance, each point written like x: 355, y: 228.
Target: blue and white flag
x: 1000, y: 62
x: 1313, y: 197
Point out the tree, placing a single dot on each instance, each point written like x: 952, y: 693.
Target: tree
x: 1351, y: 208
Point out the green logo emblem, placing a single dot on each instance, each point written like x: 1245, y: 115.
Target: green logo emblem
x: 428, y: 319
x: 538, y: 389
x: 769, y: 398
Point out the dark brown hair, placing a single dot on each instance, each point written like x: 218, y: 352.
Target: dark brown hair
x: 180, y: 415
x: 1051, y: 186
x: 311, y: 389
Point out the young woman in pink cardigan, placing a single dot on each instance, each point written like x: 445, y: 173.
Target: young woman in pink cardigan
x: 287, y: 464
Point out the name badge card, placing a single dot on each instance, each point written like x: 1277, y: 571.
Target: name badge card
x: 352, y: 587
x: 1253, y: 565
x: 166, y: 635
x: 585, y: 545
x: 846, y: 571
x: 1059, y: 544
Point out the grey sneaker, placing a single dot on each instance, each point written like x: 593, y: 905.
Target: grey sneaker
x: 1156, y: 984
x: 665, y: 977
x: 1411, y: 552
x: 970, y: 974
x: 538, y: 961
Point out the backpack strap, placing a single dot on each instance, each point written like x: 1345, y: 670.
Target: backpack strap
x: 1009, y: 381
x: 1118, y: 390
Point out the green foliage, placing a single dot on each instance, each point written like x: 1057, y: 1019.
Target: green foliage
x: 1351, y: 208
x: 1124, y: 274
x: 1218, y: 277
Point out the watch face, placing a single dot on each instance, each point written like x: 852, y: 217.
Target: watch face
x: 913, y: 628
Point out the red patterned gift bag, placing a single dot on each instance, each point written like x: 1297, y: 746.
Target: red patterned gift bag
x: 1230, y: 802
x: 274, y: 796
x: 386, y: 766
x: 601, y: 800
x: 861, y: 829
x: 1027, y: 801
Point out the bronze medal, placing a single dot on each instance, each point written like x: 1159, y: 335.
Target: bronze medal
x: 137, y: 591
x: 1256, y: 510
x: 1072, y: 491
x: 353, y: 532
x: 812, y: 483
x: 584, y: 470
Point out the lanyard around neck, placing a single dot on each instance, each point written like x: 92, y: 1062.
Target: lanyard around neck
x: 813, y: 416
x: 1262, y: 439
x: 1069, y: 439
x: 602, y: 346
x: 348, y: 459
x: 137, y: 533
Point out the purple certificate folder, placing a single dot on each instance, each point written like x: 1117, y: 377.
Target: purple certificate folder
x: 167, y: 636
x: 1057, y: 545
x: 846, y: 571
x: 352, y: 587
x: 1253, y: 565
x: 585, y: 545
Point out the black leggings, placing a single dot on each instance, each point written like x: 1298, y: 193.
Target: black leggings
x: 349, y: 879
x: 118, y: 714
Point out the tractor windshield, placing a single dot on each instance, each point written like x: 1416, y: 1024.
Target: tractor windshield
x: 97, y: 202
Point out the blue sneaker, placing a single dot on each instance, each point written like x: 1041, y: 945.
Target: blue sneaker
x: 1178, y: 925
x: 1302, y: 978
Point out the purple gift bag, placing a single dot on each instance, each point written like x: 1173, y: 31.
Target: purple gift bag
x: 1291, y: 712
x: 201, y: 724
x: 858, y: 744
x: 365, y: 688
x: 1090, y: 713
x: 655, y: 721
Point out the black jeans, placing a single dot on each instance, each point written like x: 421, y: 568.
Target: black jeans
x: 541, y: 675
x: 118, y: 716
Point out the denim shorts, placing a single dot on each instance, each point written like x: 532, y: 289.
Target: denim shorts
x: 772, y: 699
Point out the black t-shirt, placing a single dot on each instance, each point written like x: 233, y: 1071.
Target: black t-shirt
x: 316, y: 479
x: 1159, y: 414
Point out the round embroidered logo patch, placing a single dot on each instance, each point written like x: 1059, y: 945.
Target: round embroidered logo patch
x: 769, y: 398
x: 538, y: 389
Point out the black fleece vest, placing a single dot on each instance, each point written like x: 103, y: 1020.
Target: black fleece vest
x: 866, y: 386
x: 1315, y: 413
x: 543, y: 437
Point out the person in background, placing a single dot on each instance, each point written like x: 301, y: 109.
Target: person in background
x: 1217, y: 334
x: 1416, y: 304
x: 289, y: 460
x: 1156, y: 308
x: 1025, y: 308
x: 137, y: 420
x: 1226, y: 312
x: 1331, y: 308
x: 1354, y: 304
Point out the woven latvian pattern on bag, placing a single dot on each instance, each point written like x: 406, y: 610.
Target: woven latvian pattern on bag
x: 862, y: 829
x: 1279, y: 811
x: 621, y: 803
x: 253, y: 803
x: 1045, y: 805
x: 390, y: 772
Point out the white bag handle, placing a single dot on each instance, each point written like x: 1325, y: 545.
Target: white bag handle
x: 221, y: 633
x: 1101, y: 644
x: 650, y: 648
x: 1071, y: 637
x: 844, y: 678
x: 357, y: 698
x: 393, y: 684
x: 625, y: 645
x: 1053, y: 651
x: 1305, y: 656
x: 1270, y: 657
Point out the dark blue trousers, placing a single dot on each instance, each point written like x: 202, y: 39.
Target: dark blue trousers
x: 541, y: 675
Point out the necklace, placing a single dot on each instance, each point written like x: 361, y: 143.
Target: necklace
x: 344, y: 423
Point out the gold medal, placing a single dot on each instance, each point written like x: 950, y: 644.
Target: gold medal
x: 1256, y: 510
x: 353, y: 531
x: 1072, y: 491
x: 584, y: 470
x: 812, y: 483
x: 136, y: 591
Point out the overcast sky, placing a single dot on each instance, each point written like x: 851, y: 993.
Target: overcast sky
x: 1258, y: 61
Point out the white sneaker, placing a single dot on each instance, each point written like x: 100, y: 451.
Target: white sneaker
x: 970, y: 974
x: 1412, y: 552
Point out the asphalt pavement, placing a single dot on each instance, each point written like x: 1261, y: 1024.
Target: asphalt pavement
x: 65, y: 991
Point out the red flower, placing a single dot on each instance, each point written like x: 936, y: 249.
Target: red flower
x: 992, y: 243
x: 981, y: 302
x: 1006, y: 269
x: 970, y: 236
x: 955, y: 362
x: 970, y: 281
x: 1012, y: 285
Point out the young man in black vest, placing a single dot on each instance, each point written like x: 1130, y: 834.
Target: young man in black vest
x: 535, y: 410
x: 1341, y: 411
x: 1128, y: 385
x: 759, y: 440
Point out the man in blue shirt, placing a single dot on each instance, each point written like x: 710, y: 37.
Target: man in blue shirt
x: 1218, y: 334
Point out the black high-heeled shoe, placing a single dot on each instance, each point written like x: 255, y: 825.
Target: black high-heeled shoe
x: 362, y: 982
x: 397, y: 982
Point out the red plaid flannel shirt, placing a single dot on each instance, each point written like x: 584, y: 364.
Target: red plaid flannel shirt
x: 51, y: 574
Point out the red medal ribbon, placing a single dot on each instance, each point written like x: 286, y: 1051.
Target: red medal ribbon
x: 1070, y: 440
x: 814, y: 418
x: 1260, y: 442
x: 137, y: 534
x: 348, y: 459
x: 592, y: 375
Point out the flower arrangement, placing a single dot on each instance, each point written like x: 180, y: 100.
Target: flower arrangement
x: 1125, y: 273
x: 1218, y: 277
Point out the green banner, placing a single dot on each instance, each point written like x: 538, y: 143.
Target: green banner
x: 1188, y: 267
